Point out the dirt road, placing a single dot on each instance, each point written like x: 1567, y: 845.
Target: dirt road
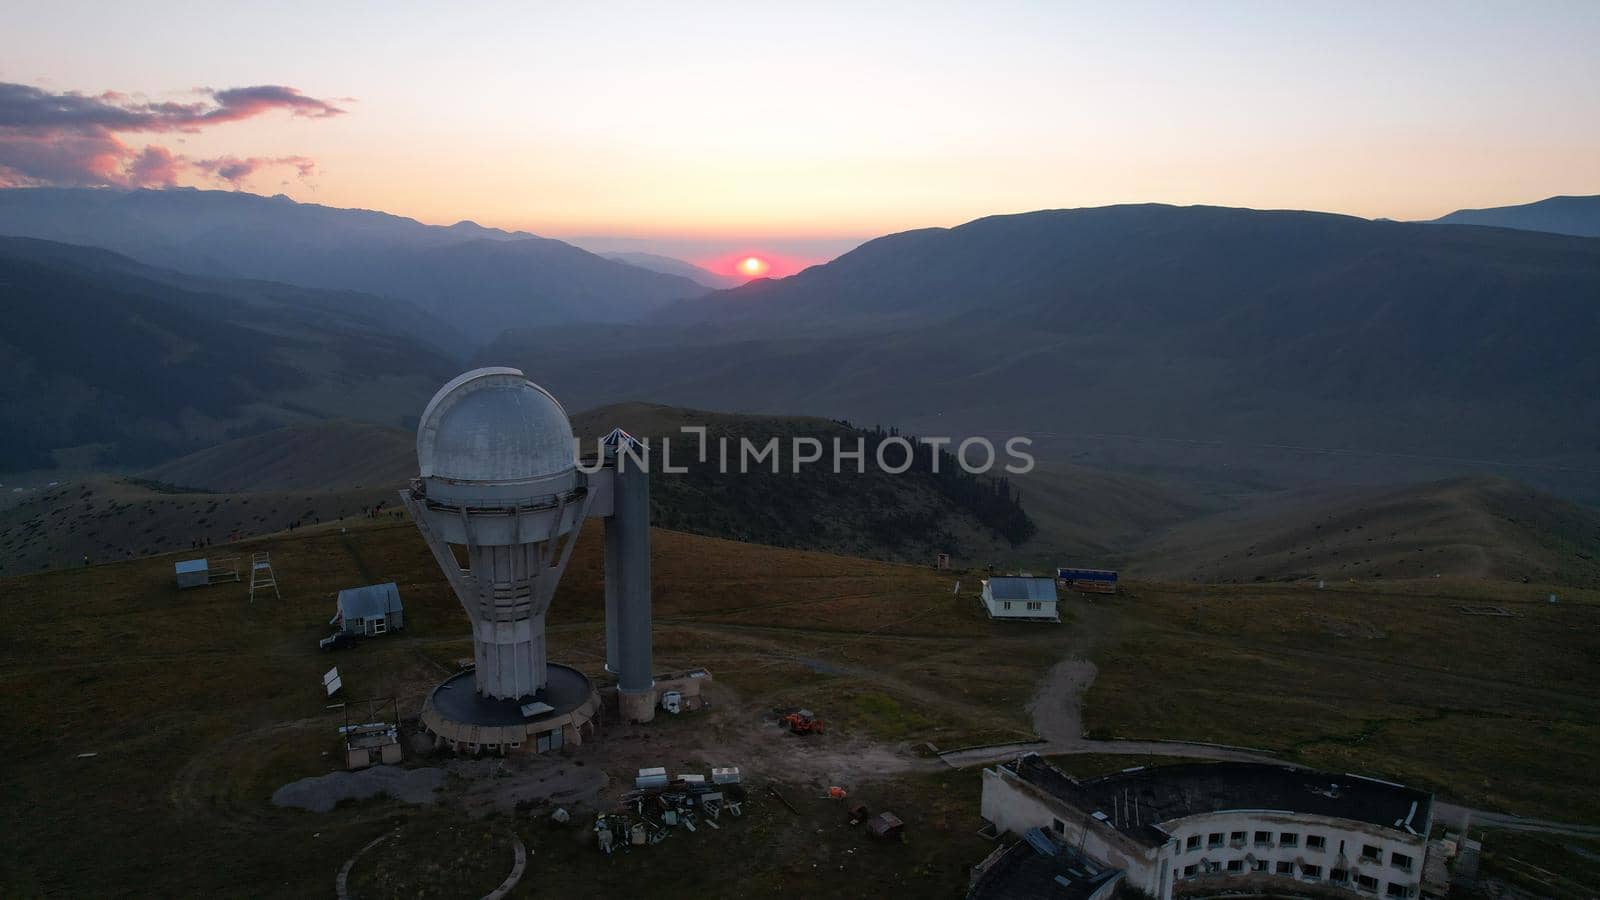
x: 1057, y: 709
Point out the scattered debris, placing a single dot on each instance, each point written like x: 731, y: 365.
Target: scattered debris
x: 561, y: 816
x: 886, y: 826
x: 773, y: 790
x: 87, y: 755
x: 858, y: 813
x: 836, y: 793
x: 658, y: 804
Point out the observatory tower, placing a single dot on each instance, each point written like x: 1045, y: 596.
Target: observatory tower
x: 499, y: 480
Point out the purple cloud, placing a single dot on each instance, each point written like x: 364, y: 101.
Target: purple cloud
x: 233, y: 169
x: 74, y: 139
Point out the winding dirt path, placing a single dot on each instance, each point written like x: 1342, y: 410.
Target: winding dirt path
x: 1057, y: 709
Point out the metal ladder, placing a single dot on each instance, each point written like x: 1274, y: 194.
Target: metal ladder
x: 261, y: 575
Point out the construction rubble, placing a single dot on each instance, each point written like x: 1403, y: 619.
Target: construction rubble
x: 658, y: 805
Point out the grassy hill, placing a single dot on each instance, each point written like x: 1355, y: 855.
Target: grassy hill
x: 320, y: 456
x: 322, y: 472
x: 199, y: 705
x: 106, y: 517
x: 1473, y: 528
x: 1403, y: 679
x: 196, y: 706
x: 909, y: 517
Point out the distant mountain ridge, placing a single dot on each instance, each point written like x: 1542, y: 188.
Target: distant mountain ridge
x: 1201, y: 323
x: 669, y: 265
x: 139, y: 364
x: 1559, y: 215
x: 479, y: 279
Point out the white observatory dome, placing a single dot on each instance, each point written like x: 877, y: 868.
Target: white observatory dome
x: 494, y: 426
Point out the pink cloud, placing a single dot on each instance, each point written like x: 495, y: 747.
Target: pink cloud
x: 75, y: 139
x: 233, y: 169
x: 155, y: 166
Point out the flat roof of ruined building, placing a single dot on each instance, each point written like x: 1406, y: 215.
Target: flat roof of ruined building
x: 1028, y: 870
x: 1163, y: 793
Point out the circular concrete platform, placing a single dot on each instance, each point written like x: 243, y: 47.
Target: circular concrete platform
x: 457, y: 714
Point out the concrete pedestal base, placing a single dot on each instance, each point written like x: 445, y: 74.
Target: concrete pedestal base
x: 468, y: 722
x: 637, y: 706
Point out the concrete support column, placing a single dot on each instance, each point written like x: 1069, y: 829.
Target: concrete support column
x: 636, y: 663
x: 613, y: 542
x: 508, y: 620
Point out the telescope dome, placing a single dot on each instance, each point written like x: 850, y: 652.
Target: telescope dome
x: 494, y: 425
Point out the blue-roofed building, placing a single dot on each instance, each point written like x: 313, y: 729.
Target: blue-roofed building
x: 371, y: 610
x: 1098, y: 581
x: 193, y: 573
x: 1021, y: 597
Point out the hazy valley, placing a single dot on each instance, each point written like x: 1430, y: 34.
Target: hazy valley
x: 1195, y: 381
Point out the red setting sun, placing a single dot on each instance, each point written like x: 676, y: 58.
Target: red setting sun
x: 748, y: 265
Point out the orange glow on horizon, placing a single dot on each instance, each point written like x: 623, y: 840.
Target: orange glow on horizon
x: 750, y: 265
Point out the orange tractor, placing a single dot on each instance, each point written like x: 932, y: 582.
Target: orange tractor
x: 802, y: 722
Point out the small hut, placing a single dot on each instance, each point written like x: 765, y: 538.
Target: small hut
x: 370, y: 611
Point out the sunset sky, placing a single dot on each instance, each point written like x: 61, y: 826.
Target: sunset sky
x: 711, y: 130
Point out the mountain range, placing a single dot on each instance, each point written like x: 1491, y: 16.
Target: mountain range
x: 1205, y: 333
x: 1180, y: 324
x: 668, y: 265
x: 480, y: 279
x: 116, y: 363
x: 1560, y: 215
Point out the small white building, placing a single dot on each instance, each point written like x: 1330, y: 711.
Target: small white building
x: 371, y: 610
x: 1021, y: 597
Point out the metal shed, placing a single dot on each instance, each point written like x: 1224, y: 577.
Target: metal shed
x: 193, y: 573
x: 371, y: 610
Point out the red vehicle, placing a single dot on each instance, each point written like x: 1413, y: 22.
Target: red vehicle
x: 802, y: 722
